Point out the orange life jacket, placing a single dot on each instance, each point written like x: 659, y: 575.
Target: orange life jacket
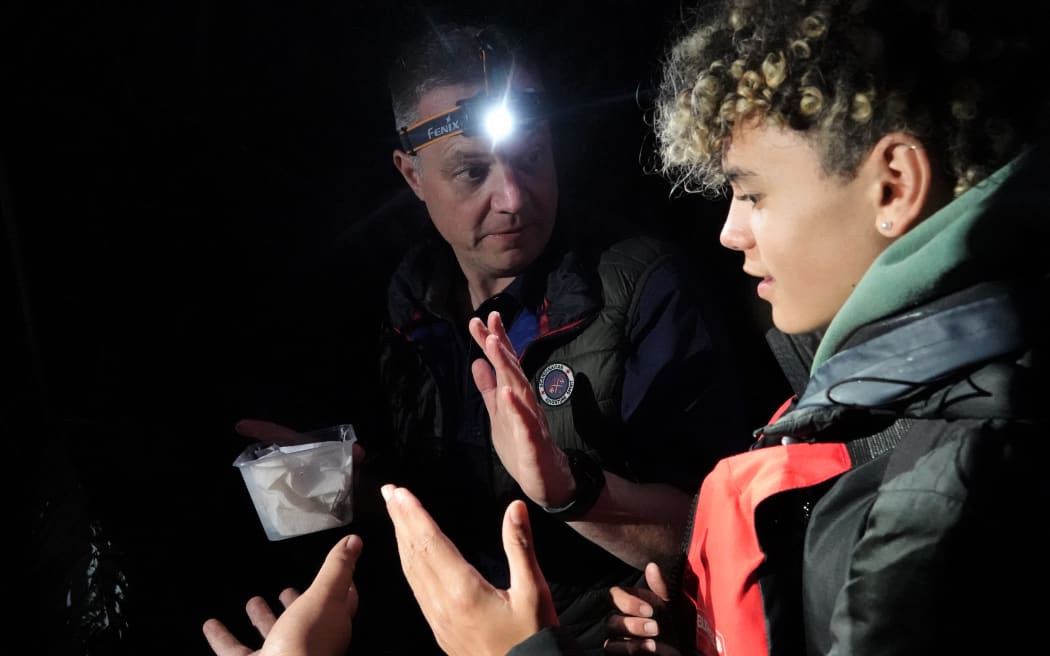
x: 722, y: 564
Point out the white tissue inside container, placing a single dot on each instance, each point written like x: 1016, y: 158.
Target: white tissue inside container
x: 300, y: 489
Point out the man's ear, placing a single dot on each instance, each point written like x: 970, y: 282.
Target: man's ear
x: 906, y: 183
x: 404, y: 163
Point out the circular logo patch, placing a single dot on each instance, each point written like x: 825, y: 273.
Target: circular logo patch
x: 556, y: 383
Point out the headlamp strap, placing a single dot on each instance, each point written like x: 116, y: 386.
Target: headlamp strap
x: 432, y: 129
x: 466, y: 118
x: 457, y: 120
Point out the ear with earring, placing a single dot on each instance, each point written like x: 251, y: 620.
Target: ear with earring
x: 885, y: 226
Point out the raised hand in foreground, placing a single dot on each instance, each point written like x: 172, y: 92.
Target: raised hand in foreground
x: 644, y: 623
x: 468, y: 615
x: 314, y: 623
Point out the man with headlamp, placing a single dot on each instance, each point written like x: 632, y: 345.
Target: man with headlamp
x: 609, y: 332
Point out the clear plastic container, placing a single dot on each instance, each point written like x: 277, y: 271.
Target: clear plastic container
x: 302, y: 488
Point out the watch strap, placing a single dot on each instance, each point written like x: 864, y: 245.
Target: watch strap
x: 590, y: 479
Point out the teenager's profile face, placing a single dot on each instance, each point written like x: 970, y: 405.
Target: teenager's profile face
x: 494, y: 206
x: 808, y: 237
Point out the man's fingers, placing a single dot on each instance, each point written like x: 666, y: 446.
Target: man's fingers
x: 476, y: 328
x: 287, y: 596
x: 654, y: 578
x: 632, y: 627
x: 617, y: 647
x: 500, y: 353
x: 494, y: 341
x: 496, y: 326
x: 482, y: 372
x: 631, y: 646
x: 502, y: 367
x: 637, y: 630
x: 221, y: 641
x: 633, y: 601
x: 261, y: 615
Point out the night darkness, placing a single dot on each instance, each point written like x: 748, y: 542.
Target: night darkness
x: 199, y: 215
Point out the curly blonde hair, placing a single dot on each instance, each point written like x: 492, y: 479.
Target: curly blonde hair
x: 965, y: 78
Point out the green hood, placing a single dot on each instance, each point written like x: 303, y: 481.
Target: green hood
x: 999, y: 229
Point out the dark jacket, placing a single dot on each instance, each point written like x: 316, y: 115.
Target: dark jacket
x: 895, y: 550
x: 939, y: 355
x: 646, y: 357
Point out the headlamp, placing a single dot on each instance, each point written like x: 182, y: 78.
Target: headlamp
x: 496, y: 116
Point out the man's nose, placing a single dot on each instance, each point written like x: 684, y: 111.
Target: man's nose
x: 736, y: 231
x: 507, y: 196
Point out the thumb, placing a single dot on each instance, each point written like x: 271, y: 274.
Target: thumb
x: 485, y: 380
x: 484, y: 376
x: 336, y: 576
x: 654, y: 578
x: 527, y: 582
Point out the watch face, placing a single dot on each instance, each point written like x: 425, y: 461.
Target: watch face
x: 555, y: 384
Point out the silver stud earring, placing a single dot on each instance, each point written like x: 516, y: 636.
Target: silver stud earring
x: 886, y: 225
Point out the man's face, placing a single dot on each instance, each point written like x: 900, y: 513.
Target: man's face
x: 807, y: 236
x: 494, y: 205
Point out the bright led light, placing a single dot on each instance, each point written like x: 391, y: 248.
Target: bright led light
x: 499, y: 122
x: 479, y: 115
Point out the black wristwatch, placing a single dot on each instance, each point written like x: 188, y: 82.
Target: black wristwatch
x: 590, y: 479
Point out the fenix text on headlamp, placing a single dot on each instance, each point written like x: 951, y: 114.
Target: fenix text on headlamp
x: 495, y: 116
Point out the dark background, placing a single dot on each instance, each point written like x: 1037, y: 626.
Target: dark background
x: 199, y: 216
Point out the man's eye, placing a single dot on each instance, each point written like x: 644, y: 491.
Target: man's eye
x: 474, y: 173
x: 747, y: 198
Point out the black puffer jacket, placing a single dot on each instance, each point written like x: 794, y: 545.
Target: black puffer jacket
x: 905, y: 550
x: 647, y: 359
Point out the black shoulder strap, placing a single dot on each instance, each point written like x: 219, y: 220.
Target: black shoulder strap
x: 866, y: 449
x: 794, y: 354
